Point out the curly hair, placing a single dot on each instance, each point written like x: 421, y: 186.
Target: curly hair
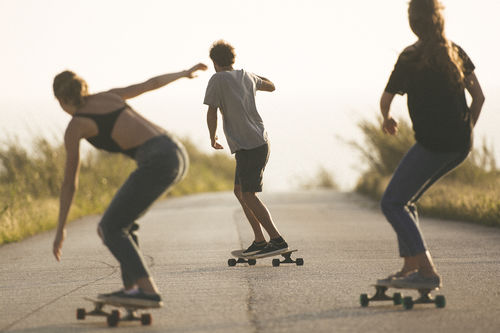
x: 222, y: 53
x: 427, y: 22
x: 70, y: 88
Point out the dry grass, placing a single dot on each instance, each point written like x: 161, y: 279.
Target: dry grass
x: 30, y: 184
x: 469, y: 193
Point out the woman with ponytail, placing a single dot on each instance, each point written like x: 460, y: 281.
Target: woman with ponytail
x: 107, y: 122
x: 434, y: 73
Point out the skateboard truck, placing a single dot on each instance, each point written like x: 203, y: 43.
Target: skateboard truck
x: 288, y: 260
x: 380, y: 295
x: 425, y: 298
x: 233, y: 262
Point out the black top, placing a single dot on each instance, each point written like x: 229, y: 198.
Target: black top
x: 105, y: 124
x: 438, y: 108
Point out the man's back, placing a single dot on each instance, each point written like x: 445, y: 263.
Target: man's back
x: 233, y: 92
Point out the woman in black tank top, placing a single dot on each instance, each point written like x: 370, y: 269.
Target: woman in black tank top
x: 108, y: 123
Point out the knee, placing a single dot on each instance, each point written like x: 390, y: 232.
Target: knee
x: 107, y: 234
x: 387, y: 205
x: 100, y: 233
x: 104, y: 233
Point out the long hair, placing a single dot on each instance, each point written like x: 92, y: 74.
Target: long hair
x: 437, y: 52
x: 70, y: 88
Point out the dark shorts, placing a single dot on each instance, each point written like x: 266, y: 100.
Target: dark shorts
x: 250, y: 165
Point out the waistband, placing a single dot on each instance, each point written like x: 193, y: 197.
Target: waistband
x: 158, y: 145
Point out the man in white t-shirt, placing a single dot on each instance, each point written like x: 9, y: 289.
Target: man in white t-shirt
x: 233, y: 92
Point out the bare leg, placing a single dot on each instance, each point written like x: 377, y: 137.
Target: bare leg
x: 147, y: 285
x: 422, y: 262
x: 261, y: 213
x: 257, y: 230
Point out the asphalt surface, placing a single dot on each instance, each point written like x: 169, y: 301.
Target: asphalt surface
x: 344, y: 240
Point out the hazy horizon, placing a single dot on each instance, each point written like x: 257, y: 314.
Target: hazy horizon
x: 330, y: 62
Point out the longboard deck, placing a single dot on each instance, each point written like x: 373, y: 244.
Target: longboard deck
x: 405, y: 288
x: 239, y: 254
x: 119, y: 304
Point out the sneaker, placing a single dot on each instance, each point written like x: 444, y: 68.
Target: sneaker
x: 254, y: 248
x: 388, y: 281
x: 273, y: 247
x: 105, y: 297
x: 137, y: 298
x: 417, y: 281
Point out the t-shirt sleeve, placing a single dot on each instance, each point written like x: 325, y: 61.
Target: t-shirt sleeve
x: 257, y: 80
x: 398, y: 81
x: 212, y: 96
x: 468, y: 66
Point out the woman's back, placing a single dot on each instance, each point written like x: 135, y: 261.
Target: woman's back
x: 112, y: 125
x: 437, y: 105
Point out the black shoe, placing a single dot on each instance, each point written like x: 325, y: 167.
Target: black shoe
x: 254, y: 248
x: 108, y: 295
x: 139, y: 298
x: 273, y: 247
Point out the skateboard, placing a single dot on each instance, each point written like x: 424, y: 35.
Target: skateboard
x: 252, y: 260
x: 114, y: 316
x: 408, y: 302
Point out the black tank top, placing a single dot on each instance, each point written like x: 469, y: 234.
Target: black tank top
x: 105, y: 124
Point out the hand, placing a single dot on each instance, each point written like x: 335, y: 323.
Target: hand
x: 390, y: 126
x: 190, y: 72
x: 215, y: 144
x: 58, y: 242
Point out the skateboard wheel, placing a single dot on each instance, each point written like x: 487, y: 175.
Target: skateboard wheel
x: 299, y: 261
x: 276, y: 262
x: 80, y: 314
x: 146, y: 319
x: 363, y: 300
x: 440, y: 301
x: 407, y: 303
x: 116, y: 313
x: 231, y: 262
x: 252, y: 262
x: 397, y: 299
x: 113, y: 319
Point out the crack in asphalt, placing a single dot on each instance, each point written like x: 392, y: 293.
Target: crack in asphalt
x: 41, y: 307
x: 252, y: 317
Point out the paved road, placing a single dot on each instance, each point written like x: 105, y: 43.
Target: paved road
x: 343, y: 238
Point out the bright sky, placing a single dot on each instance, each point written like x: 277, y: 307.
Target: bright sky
x: 330, y: 61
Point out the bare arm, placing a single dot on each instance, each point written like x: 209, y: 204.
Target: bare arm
x: 70, y: 183
x: 390, y: 125
x: 212, y: 126
x: 156, y: 82
x: 267, y: 85
x: 474, y: 88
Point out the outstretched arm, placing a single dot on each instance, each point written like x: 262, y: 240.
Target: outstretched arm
x: 212, y: 127
x: 267, y: 85
x: 72, y: 144
x: 390, y: 125
x: 474, y: 88
x: 156, y: 82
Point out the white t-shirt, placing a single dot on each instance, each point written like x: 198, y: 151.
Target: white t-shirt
x: 233, y: 92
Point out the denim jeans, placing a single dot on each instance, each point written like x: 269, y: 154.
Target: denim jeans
x: 162, y: 162
x: 417, y: 171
